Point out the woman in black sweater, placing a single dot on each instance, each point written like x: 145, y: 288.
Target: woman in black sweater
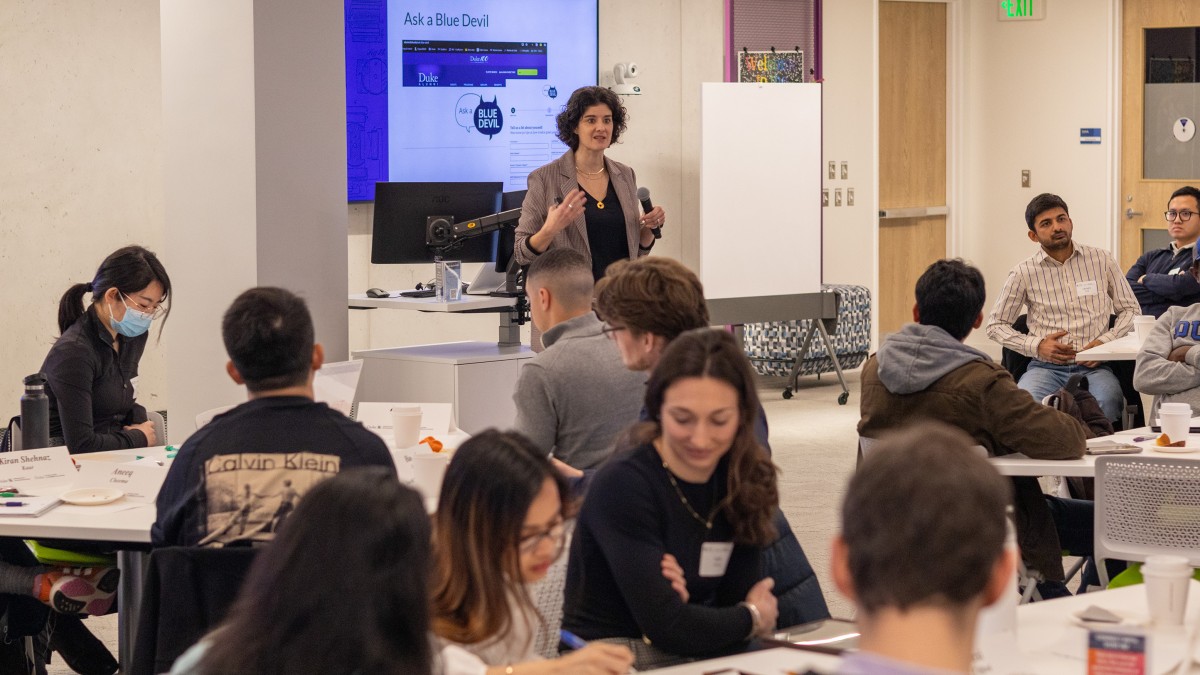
x: 92, y: 368
x: 665, y: 556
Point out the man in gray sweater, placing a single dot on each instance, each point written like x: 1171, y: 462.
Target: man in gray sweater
x: 1167, y: 365
x: 576, y: 396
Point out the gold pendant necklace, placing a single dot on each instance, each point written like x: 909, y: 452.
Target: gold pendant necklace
x: 599, y: 203
x: 591, y: 173
x: 707, y: 523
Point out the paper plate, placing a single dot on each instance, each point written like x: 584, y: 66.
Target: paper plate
x: 92, y: 496
x: 1188, y: 448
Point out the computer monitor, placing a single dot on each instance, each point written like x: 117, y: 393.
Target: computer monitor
x: 402, y: 211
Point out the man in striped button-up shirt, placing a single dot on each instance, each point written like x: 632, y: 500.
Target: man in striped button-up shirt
x: 1070, y: 292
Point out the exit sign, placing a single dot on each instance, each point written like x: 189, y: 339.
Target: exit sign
x: 1022, y: 10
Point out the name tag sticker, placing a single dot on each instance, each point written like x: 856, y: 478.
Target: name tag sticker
x: 1086, y: 288
x: 714, y: 558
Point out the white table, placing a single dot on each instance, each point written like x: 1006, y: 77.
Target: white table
x: 1019, y: 465
x: 468, y: 303
x: 1122, y: 349
x: 1048, y: 641
x: 1051, y: 642
x: 504, y: 306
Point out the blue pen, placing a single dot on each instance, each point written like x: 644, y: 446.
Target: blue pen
x: 27, y: 504
x: 571, y: 640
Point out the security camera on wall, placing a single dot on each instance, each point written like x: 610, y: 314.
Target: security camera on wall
x: 622, y: 72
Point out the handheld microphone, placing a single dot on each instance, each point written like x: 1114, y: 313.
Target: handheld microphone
x: 643, y: 194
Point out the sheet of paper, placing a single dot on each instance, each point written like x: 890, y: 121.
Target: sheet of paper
x: 139, y: 480
x: 35, y: 471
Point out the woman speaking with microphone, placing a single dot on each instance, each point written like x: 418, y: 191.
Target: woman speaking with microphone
x: 584, y: 200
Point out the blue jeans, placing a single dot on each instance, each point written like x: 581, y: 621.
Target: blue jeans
x: 1042, y: 379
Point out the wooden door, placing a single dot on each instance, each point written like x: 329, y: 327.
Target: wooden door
x: 912, y: 151
x: 1143, y: 199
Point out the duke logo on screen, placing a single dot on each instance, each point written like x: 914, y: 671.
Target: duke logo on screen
x: 488, y: 118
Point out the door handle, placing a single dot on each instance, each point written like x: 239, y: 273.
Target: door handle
x: 1130, y: 213
x: 915, y: 212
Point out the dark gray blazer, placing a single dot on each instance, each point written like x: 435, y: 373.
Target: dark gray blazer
x: 554, y: 181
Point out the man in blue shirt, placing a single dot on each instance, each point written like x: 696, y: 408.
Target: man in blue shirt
x: 1161, y: 278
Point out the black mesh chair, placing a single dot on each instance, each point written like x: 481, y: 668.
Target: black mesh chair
x: 1016, y: 364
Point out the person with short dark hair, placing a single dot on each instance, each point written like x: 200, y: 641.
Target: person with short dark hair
x: 243, y: 472
x: 576, y: 396
x: 922, y: 549
x: 925, y: 372
x: 92, y: 368
x: 1162, y: 278
x: 1070, y: 292
x: 1168, y: 364
x: 583, y: 200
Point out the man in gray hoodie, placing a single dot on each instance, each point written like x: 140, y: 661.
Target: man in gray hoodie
x: 1167, y: 366
x: 576, y: 396
x: 925, y: 372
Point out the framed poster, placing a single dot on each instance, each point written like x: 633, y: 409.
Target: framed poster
x: 770, y: 66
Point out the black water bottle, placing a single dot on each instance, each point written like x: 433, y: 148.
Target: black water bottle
x: 35, y: 413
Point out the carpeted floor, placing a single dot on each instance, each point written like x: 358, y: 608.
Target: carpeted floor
x: 814, y: 441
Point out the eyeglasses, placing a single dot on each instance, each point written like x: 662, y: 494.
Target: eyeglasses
x: 155, y: 312
x: 1184, y: 216
x: 556, y: 534
x: 608, y: 329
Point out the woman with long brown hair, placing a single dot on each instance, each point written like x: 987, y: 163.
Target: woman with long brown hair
x: 500, y: 524
x: 666, y: 552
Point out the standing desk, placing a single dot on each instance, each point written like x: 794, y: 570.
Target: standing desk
x: 478, y: 378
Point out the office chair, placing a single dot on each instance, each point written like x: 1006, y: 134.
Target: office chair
x: 1016, y: 364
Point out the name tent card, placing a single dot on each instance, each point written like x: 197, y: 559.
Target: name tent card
x: 139, y: 481
x: 33, y: 471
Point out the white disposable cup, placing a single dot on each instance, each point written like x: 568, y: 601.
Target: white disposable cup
x: 406, y: 425
x: 1141, y: 326
x: 1167, y: 579
x: 1175, y: 423
x: 429, y: 468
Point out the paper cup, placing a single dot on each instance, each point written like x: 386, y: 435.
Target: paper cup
x: 429, y: 468
x: 1141, y: 326
x: 1175, y: 423
x: 1167, y: 580
x: 406, y: 425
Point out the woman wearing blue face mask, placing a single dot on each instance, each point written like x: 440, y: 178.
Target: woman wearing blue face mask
x: 92, y: 367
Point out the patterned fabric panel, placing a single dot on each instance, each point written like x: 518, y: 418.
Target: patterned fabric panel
x: 773, y: 347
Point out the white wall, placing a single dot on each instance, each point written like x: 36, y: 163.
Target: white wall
x: 851, y: 113
x: 80, y: 166
x: 1029, y: 87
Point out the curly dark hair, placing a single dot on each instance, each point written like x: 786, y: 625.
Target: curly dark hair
x: 582, y: 99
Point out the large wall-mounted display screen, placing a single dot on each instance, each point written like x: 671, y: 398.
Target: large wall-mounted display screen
x: 460, y: 90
